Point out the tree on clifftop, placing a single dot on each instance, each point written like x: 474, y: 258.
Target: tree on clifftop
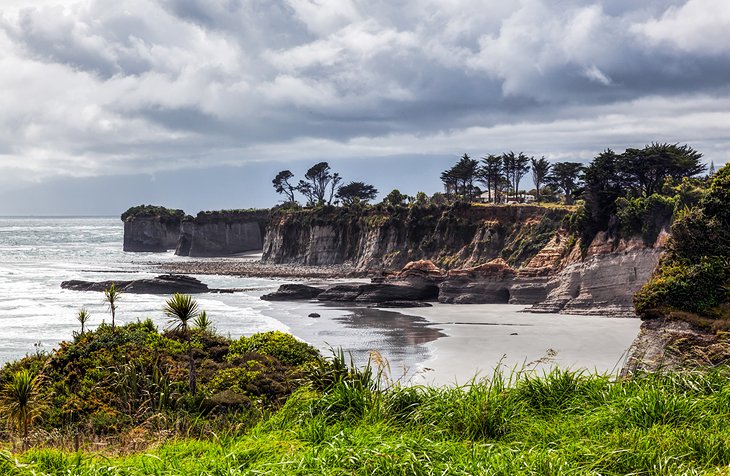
x: 282, y: 185
x: 356, y: 192
x: 540, y: 172
x: 645, y: 169
x: 565, y: 176
x: 319, y: 180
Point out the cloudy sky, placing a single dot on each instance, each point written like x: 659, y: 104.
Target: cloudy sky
x: 198, y: 103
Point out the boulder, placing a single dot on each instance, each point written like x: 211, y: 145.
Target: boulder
x: 465, y: 290
x: 421, y: 269
x: 401, y: 304
x: 292, y: 292
x: 381, y: 292
x: 165, y: 284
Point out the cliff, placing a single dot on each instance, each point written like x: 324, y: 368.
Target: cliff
x: 151, y: 228
x: 219, y: 233
x: 481, y: 254
x: 222, y: 233
x: 379, y: 239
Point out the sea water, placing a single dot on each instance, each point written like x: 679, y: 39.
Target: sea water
x: 37, y: 254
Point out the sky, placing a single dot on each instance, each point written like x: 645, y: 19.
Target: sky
x: 197, y: 104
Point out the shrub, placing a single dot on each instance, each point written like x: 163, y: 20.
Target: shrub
x: 285, y: 347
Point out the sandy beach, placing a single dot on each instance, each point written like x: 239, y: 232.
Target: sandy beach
x: 479, y: 337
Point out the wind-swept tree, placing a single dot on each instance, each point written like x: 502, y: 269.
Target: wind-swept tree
x: 566, y: 177
x: 318, y: 179
x: 515, y: 166
x: 647, y: 168
x: 356, y: 192
x: 182, y: 310
x: 20, y: 402
x: 540, y: 172
x: 111, y: 296
x: 282, y: 185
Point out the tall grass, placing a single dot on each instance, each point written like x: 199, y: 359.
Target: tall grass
x: 346, y: 422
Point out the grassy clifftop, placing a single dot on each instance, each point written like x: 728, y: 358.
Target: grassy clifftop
x: 153, y: 211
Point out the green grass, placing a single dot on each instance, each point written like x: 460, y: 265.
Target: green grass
x: 559, y: 423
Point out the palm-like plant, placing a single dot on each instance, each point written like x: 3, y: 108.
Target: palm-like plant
x: 111, y: 296
x: 83, y: 318
x: 19, y: 402
x: 204, y: 323
x: 182, y: 309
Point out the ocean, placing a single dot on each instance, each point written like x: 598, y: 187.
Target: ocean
x: 37, y: 254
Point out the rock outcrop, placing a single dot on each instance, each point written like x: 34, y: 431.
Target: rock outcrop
x: 488, y: 283
x: 164, y: 284
x: 222, y: 233
x: 602, y: 283
x: 381, y: 292
x: 293, y: 292
x: 151, y: 228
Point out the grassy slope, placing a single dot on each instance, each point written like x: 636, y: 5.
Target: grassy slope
x: 562, y: 423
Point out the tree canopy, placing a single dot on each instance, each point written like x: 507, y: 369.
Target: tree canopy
x: 356, y: 192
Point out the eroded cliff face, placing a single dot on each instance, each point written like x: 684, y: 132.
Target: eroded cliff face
x: 222, y: 233
x: 384, y: 240
x: 151, y: 233
x: 603, y: 282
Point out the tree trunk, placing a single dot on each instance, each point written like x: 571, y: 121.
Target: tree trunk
x: 191, y: 364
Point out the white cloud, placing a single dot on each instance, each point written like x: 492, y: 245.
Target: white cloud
x: 699, y: 26
x: 111, y: 86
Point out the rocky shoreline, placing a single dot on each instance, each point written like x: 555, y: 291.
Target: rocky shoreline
x: 257, y: 269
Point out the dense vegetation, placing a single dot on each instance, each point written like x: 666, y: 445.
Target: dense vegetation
x: 153, y: 211
x: 108, y: 384
x: 694, y: 276
x: 350, y: 421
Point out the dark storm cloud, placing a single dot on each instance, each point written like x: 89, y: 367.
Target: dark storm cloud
x: 103, y: 87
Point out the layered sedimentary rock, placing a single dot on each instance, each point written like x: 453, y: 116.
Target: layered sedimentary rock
x: 151, y: 228
x: 488, y: 283
x: 381, y: 240
x: 604, y: 281
x: 222, y: 233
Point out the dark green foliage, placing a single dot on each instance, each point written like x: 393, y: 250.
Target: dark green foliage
x: 644, y: 216
x: 395, y: 199
x: 153, y: 211
x: 695, y: 274
x: 284, y: 347
x: 565, y: 176
x: 356, y: 193
x: 459, y: 180
x: 282, y: 185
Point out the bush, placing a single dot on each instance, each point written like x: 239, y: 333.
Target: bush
x: 285, y: 347
x: 696, y: 288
